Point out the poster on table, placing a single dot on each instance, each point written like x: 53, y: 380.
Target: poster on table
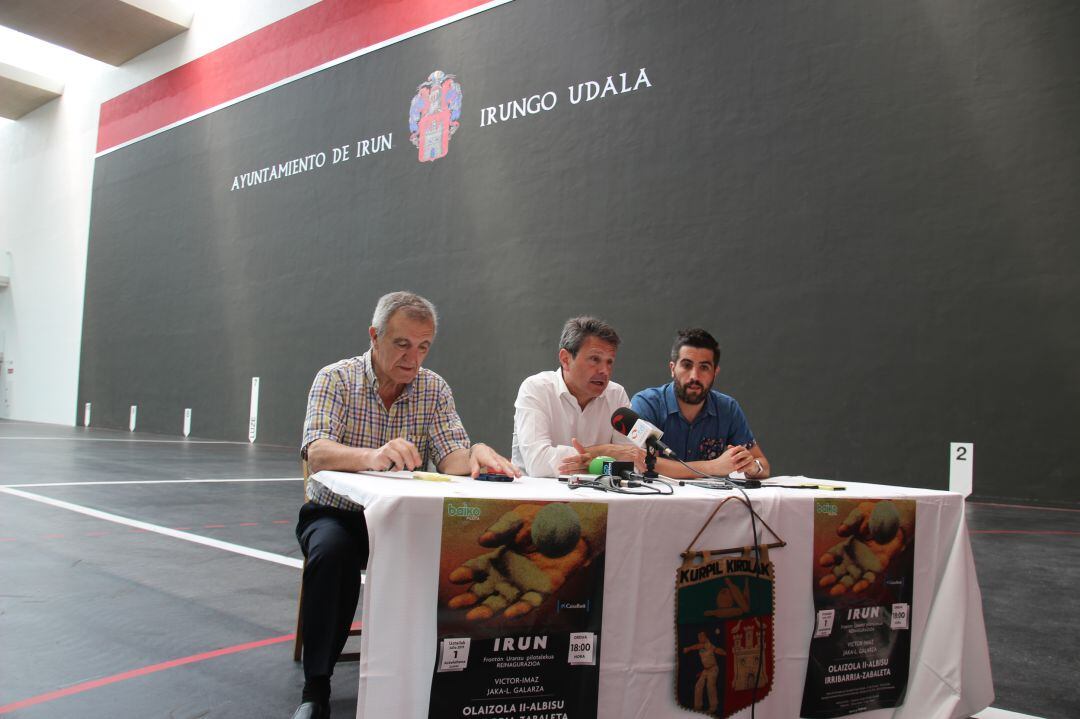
x: 521, y: 588
x: 863, y: 576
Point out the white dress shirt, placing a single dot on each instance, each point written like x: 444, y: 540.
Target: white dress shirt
x: 547, y: 417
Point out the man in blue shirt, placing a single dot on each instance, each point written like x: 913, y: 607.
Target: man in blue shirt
x: 705, y: 428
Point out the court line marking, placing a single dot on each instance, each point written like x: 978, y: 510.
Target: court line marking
x: 992, y: 713
x: 186, y: 480
x: 105, y: 681
x: 1065, y: 532
x: 143, y: 671
x: 1024, y: 506
x: 125, y: 439
x: 174, y: 533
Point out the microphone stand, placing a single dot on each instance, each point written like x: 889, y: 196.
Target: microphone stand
x: 650, y: 463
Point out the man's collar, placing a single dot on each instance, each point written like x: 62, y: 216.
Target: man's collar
x: 369, y: 369
x: 373, y: 379
x: 561, y: 390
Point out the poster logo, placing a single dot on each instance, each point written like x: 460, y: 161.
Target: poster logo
x: 433, y: 115
x: 463, y: 510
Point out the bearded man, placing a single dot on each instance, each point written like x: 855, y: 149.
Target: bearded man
x: 705, y: 428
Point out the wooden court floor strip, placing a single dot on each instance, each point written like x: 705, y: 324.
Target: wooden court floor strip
x: 105, y: 681
x: 166, y: 531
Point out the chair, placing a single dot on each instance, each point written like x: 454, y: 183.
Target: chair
x: 298, y: 645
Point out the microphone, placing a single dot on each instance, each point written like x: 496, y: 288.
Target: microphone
x: 641, y: 433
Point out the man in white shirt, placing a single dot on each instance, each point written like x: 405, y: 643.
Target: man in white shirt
x: 562, y: 418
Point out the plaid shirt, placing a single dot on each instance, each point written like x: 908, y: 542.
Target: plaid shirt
x: 344, y: 406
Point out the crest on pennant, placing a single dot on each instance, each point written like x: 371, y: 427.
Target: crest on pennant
x: 724, y: 610
x: 434, y: 114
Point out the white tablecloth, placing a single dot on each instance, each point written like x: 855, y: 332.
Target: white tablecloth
x: 950, y: 664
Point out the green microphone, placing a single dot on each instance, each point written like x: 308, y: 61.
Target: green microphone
x: 597, y: 465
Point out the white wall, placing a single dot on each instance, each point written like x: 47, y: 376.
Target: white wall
x: 46, y: 170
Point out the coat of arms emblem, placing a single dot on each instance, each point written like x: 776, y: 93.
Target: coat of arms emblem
x: 433, y: 115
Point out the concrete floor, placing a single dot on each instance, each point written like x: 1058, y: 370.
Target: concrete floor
x: 94, y: 613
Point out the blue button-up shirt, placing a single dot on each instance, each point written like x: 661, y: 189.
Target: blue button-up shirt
x: 720, y: 423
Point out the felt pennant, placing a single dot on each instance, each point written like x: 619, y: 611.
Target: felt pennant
x: 724, y: 610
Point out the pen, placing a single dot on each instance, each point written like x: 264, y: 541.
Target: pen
x: 829, y: 487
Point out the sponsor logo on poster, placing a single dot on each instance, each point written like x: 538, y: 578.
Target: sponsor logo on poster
x: 463, y: 510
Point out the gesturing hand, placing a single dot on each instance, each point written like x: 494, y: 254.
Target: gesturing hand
x: 579, y: 463
x: 629, y: 453
x: 576, y: 463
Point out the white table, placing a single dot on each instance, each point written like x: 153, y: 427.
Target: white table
x: 950, y: 664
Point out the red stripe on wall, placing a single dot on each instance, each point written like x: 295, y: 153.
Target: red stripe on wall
x: 306, y: 39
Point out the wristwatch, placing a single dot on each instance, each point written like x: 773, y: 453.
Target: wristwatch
x: 760, y: 467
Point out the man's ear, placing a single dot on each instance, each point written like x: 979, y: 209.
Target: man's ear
x: 564, y: 358
x: 373, y: 334
x: 671, y: 368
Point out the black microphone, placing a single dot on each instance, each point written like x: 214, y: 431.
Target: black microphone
x: 641, y: 433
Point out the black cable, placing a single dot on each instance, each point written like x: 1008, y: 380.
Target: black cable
x: 632, y: 487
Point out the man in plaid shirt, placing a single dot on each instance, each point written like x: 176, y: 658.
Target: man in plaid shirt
x: 378, y: 411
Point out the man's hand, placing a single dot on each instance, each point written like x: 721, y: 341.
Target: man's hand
x: 579, y: 463
x: 396, y: 454
x: 735, y: 458
x: 483, y: 458
x: 627, y: 453
x: 576, y: 463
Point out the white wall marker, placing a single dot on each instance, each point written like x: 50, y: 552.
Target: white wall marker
x: 131, y: 419
x: 253, y: 420
x: 961, y: 467
x: 86, y: 415
x: 187, y: 421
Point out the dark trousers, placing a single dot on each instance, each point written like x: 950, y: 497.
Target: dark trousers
x: 335, y: 543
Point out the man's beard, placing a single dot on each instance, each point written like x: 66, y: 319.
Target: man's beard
x: 681, y: 392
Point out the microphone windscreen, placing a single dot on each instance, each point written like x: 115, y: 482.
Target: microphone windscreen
x: 596, y: 466
x: 623, y: 419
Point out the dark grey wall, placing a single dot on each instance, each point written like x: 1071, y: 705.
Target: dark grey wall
x: 872, y: 205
